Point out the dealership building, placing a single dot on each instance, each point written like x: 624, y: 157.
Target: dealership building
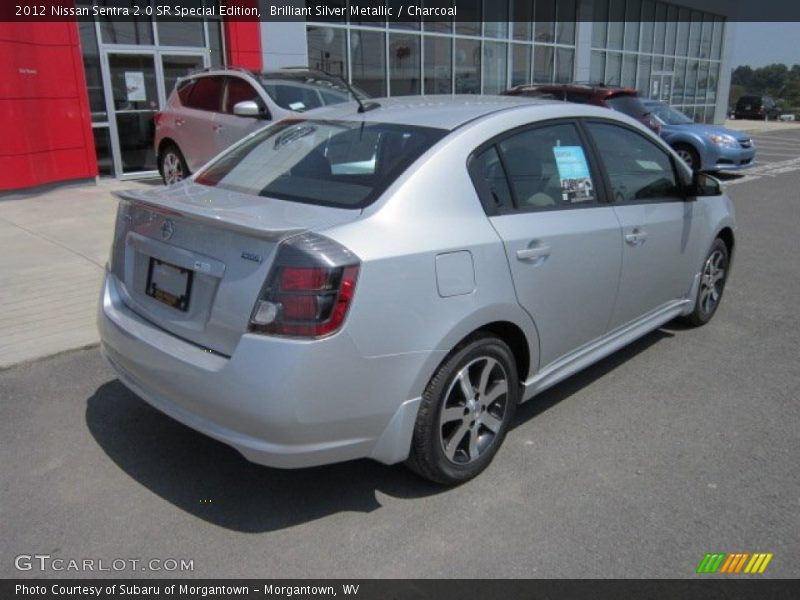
x: 64, y: 85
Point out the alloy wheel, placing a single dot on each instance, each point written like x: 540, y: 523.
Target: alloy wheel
x: 473, y: 410
x: 712, y: 281
x: 173, y: 168
x: 686, y: 157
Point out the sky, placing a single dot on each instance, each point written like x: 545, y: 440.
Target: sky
x: 759, y: 44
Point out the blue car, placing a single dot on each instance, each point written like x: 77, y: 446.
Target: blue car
x: 703, y: 147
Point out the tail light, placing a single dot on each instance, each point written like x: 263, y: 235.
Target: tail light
x: 309, y: 289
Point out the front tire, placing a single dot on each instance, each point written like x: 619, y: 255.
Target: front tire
x: 173, y: 165
x: 689, y: 155
x: 465, y: 412
x: 712, y: 284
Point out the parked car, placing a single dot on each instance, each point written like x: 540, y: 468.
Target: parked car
x: 625, y: 100
x: 756, y: 107
x: 702, y: 147
x: 392, y: 283
x: 210, y: 110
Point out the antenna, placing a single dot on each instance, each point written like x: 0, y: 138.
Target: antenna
x: 362, y: 108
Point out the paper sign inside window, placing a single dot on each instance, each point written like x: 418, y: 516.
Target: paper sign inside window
x: 573, y: 171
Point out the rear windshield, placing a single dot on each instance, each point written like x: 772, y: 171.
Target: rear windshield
x: 630, y: 105
x: 756, y: 100
x: 333, y: 163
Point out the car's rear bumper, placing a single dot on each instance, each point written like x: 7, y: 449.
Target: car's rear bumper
x: 281, y: 403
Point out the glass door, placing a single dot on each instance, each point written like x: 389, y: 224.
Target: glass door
x: 135, y: 100
x: 661, y: 86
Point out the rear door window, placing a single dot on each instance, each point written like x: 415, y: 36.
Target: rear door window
x: 332, y: 163
x: 206, y: 94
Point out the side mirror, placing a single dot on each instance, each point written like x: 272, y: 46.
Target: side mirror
x: 704, y: 184
x: 249, y: 108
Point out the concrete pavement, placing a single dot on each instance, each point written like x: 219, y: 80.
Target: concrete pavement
x: 55, y: 245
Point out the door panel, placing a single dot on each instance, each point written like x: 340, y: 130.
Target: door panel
x: 228, y: 128
x: 568, y: 280
x: 197, y: 119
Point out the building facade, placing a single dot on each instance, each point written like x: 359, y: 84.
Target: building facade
x: 67, y: 85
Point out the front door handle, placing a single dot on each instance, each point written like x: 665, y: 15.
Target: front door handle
x: 534, y: 252
x: 636, y: 237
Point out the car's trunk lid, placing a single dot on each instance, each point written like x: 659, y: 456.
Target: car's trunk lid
x: 193, y: 259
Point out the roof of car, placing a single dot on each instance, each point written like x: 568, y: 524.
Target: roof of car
x: 597, y: 89
x: 443, y: 112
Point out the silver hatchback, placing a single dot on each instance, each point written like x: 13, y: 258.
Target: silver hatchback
x: 390, y: 281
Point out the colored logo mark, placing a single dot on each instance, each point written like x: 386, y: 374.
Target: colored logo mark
x: 721, y: 562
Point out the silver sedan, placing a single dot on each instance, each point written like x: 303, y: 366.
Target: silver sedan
x: 390, y: 280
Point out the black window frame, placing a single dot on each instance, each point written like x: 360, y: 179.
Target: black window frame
x: 595, y: 171
x: 681, y: 183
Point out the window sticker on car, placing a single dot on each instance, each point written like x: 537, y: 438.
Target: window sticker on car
x: 649, y: 165
x: 297, y: 105
x: 573, y: 171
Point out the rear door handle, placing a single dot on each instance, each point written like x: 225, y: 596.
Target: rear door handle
x: 636, y: 237
x: 217, y: 128
x: 533, y: 252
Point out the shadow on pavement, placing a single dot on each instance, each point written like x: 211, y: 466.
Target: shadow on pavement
x: 215, y: 483
x: 728, y: 176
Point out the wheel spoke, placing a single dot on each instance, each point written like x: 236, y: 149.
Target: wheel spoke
x: 491, y: 422
x: 464, y: 382
x: 455, y: 440
x: 485, y: 374
x: 454, y: 413
x: 473, y: 445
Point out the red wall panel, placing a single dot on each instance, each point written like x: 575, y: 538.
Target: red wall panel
x: 44, y: 108
x: 243, y: 41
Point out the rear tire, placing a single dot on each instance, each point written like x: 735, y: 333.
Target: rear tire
x: 465, y: 411
x: 689, y: 155
x: 172, y: 165
x: 712, y: 284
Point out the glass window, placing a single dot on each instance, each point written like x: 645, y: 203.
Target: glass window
x: 648, y: 14
x: 327, y: 50
x: 565, y: 21
x: 184, y: 90
x: 495, y: 67
x: 206, y: 94
x: 633, y: 10
x: 438, y: 65
x: 102, y: 147
x: 91, y: 68
x: 640, y: 170
x: 490, y: 181
x: 683, y: 25
x: 239, y: 91
x: 706, y: 36
x: 468, y: 66
x: 334, y: 163
x: 695, y: 30
x: 130, y: 30
x: 670, y: 42
x: 600, y: 24
x: 679, y: 81
x: 495, y: 18
x: 543, y: 64
x: 702, y: 81
x: 643, y: 77
x: 520, y: 64
x: 404, y: 64
x: 628, y: 70
x: 716, y: 44
x: 133, y: 81
x: 470, y: 11
x: 597, y: 71
x: 547, y: 168
x: 690, y: 91
x: 188, y: 32
x: 713, y: 80
x: 522, y: 27
x: 544, y: 15
x: 616, y: 25
x: 660, y: 28
x: 368, y: 58
x: 564, y: 65
x: 613, y: 68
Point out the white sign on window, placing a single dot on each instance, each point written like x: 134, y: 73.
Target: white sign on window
x: 134, y: 86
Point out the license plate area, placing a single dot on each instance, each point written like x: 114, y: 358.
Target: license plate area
x: 169, y: 284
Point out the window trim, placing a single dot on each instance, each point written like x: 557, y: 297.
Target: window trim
x: 595, y: 169
x: 682, y: 188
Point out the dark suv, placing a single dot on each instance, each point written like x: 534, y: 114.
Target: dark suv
x: 625, y: 100
x: 756, y: 107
